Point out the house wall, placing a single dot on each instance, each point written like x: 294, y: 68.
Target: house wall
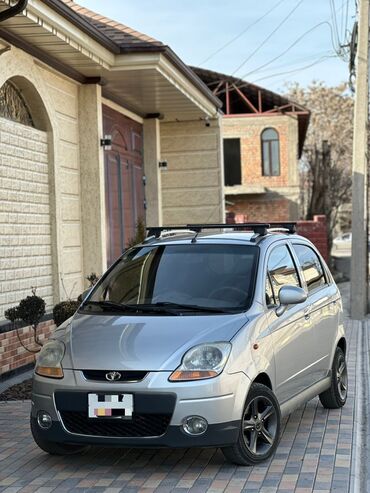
x: 44, y: 164
x: 64, y: 98
x: 280, y: 201
x: 25, y: 232
x: 192, y: 186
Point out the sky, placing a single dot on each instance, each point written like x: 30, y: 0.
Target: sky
x: 278, y: 41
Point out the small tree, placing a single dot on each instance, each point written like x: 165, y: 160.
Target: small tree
x: 327, y: 154
x: 30, y: 310
x: 140, y: 234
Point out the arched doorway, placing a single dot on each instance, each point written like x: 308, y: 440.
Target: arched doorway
x: 25, y: 223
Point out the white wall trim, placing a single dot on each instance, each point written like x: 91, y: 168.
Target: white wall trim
x: 123, y: 111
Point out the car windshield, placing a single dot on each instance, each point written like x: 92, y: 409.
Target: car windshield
x: 195, y: 276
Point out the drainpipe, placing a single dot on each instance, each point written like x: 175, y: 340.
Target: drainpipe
x: 12, y: 11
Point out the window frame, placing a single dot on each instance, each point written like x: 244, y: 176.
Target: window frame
x: 323, y: 267
x: 269, y: 141
x: 267, y: 273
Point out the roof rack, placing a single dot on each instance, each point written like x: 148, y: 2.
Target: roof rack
x: 260, y: 229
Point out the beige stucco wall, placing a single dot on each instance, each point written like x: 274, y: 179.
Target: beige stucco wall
x: 25, y: 234
x: 64, y: 98
x: 53, y: 101
x: 192, y: 186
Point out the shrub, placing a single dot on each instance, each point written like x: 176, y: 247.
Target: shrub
x: 30, y: 310
x: 62, y: 311
x: 140, y: 234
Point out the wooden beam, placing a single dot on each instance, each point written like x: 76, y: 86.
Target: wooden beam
x: 215, y: 91
x: 227, y: 99
x: 245, y: 99
x: 259, y: 101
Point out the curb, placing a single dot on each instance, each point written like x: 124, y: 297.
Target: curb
x: 359, y: 464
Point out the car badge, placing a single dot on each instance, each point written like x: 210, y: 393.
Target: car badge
x: 113, y: 376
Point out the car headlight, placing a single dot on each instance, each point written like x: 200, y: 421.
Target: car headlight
x: 203, y: 361
x: 49, y: 361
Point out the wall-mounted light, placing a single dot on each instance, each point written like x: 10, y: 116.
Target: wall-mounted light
x: 163, y: 165
x: 106, y: 142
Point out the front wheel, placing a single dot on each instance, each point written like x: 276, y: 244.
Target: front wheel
x: 259, y: 430
x: 336, y: 395
x: 54, y: 448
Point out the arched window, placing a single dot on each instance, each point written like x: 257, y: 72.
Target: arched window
x: 13, y: 106
x: 270, y: 152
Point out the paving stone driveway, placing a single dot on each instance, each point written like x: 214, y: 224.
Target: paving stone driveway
x: 314, y: 455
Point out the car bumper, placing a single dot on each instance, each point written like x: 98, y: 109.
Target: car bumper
x: 220, y: 401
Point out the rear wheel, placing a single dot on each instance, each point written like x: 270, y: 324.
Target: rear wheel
x: 259, y: 430
x: 336, y: 396
x: 54, y: 448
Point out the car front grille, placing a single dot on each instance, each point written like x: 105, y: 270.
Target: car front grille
x: 125, y: 376
x: 143, y: 425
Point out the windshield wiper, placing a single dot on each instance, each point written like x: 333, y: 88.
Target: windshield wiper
x: 195, y: 308
x: 122, y: 307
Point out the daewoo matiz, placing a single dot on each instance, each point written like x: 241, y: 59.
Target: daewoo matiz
x: 195, y: 338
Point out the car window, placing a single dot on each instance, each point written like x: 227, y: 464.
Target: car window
x: 281, y: 270
x: 313, y: 271
x: 208, y: 275
x: 270, y: 298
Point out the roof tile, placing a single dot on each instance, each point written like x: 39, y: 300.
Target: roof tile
x: 120, y: 34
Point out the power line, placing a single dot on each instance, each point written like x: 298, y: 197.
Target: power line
x: 316, y: 62
x: 241, y: 83
x: 242, y: 32
x: 288, y: 48
x: 334, y: 21
x: 290, y: 13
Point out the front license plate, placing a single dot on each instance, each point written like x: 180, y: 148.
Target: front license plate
x: 111, y: 406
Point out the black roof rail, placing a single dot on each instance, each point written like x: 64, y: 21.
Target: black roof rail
x: 257, y: 228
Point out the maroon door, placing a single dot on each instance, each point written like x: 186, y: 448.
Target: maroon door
x: 124, y: 183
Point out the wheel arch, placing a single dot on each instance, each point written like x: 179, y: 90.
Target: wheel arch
x: 264, y: 379
x: 342, y: 343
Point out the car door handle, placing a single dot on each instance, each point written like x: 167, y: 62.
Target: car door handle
x: 307, y: 313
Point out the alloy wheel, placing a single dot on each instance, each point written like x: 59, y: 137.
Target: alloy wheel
x: 259, y: 425
x: 342, y: 378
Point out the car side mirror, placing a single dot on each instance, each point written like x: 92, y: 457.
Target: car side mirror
x: 290, y: 295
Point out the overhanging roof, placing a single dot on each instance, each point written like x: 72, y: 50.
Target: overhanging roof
x: 135, y: 70
x: 244, y: 98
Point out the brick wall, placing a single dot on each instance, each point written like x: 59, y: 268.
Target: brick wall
x: 316, y: 231
x: 25, y: 235
x: 263, y: 208
x: 249, y: 131
x: 12, y: 354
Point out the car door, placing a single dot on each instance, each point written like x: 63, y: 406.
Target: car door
x: 323, y: 307
x: 291, y: 331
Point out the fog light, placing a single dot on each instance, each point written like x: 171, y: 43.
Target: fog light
x: 44, y: 420
x: 195, y: 425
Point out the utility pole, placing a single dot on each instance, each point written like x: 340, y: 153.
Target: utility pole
x: 359, y: 257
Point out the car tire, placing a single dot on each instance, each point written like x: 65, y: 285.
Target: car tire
x: 259, y: 428
x: 336, y: 395
x: 54, y: 448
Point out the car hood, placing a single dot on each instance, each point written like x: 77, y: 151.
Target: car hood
x: 152, y: 343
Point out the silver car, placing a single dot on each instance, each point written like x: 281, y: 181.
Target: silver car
x: 195, y: 338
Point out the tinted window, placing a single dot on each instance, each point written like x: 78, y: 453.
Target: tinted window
x: 282, y: 270
x: 232, y: 162
x: 206, y: 275
x: 311, y: 266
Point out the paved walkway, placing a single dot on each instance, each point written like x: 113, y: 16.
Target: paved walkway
x: 314, y: 455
